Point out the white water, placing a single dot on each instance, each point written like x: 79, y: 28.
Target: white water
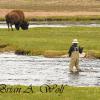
x: 3, y: 25
x: 38, y: 70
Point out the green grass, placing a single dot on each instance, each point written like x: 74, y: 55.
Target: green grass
x: 52, y: 41
x: 69, y: 93
x: 62, y: 19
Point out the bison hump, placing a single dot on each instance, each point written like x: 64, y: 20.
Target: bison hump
x: 20, y: 13
x: 15, y: 16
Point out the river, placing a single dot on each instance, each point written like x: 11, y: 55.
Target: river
x: 39, y: 70
x: 47, y: 24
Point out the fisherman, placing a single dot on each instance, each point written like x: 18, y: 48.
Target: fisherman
x: 74, y: 54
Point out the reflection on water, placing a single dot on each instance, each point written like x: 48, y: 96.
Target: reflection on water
x: 38, y: 70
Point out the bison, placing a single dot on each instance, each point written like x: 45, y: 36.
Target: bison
x: 17, y: 18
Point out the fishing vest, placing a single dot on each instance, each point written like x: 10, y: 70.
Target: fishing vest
x: 75, y: 48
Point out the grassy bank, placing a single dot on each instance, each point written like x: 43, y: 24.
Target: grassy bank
x: 51, y: 42
x: 85, y: 18
x: 65, y: 18
x: 69, y: 93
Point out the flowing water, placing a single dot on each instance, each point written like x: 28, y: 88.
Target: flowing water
x: 38, y: 24
x: 38, y: 70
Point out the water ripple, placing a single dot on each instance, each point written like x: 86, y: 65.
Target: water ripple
x: 38, y: 70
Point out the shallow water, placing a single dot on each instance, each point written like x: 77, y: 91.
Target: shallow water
x: 33, y: 25
x: 38, y: 70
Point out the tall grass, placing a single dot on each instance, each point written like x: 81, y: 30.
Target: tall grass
x: 64, y: 18
x: 84, y: 19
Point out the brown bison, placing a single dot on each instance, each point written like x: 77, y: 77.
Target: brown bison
x: 17, y: 18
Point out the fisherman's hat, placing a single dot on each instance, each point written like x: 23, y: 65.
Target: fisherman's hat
x: 75, y: 41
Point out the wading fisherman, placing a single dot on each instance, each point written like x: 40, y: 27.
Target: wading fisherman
x: 74, y: 54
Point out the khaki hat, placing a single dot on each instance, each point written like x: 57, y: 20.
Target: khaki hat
x: 75, y: 41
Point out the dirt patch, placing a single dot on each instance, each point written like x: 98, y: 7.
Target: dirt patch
x: 32, y: 14
x: 3, y: 12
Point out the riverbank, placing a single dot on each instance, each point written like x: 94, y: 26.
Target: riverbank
x: 58, y: 17
x: 50, y: 42
x: 58, y: 93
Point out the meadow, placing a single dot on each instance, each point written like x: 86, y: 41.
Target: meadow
x: 52, y: 42
x: 54, y: 5
x: 53, y: 10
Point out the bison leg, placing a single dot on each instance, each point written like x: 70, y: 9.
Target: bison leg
x: 8, y: 26
x: 11, y: 27
x: 17, y: 26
